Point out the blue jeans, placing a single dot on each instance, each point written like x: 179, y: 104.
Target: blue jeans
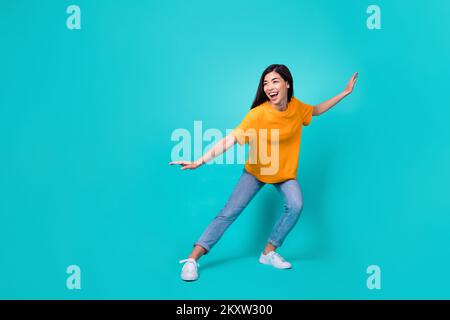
x: 246, y: 188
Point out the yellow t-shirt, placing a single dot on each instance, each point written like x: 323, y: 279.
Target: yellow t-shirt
x: 274, y: 139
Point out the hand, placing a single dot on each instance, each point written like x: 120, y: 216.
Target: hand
x: 186, y: 164
x: 349, y: 88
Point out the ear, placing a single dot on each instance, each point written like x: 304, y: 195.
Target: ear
x: 288, y: 85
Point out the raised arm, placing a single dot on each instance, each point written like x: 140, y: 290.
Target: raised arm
x: 327, y: 105
x: 219, y: 148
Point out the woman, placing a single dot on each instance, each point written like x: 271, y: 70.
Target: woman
x: 274, y: 109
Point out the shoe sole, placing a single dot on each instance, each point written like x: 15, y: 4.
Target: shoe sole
x: 269, y: 264
x: 189, y: 279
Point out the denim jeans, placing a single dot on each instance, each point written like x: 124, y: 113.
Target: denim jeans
x: 246, y: 188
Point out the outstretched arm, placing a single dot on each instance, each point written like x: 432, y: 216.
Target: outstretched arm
x: 219, y: 148
x: 327, y: 105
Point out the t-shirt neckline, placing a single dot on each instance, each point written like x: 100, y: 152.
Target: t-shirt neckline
x: 274, y: 110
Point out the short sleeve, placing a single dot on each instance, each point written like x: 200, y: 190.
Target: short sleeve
x: 306, y: 113
x: 247, y: 127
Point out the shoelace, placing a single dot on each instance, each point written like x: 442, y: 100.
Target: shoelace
x: 189, y: 260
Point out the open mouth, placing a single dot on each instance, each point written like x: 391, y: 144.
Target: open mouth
x: 273, y: 95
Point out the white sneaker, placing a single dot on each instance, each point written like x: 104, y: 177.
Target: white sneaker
x: 274, y: 259
x: 190, y: 269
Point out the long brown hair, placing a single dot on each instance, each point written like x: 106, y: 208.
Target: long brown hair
x: 284, y: 72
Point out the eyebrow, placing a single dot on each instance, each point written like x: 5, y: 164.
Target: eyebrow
x: 272, y: 79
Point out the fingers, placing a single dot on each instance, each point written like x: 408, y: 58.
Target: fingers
x: 178, y: 162
x: 353, y: 80
x: 184, y: 164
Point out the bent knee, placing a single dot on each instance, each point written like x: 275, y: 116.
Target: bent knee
x: 294, y: 207
x: 229, y: 213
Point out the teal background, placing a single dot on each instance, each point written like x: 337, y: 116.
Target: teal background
x: 86, y: 118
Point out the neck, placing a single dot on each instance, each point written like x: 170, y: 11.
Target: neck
x: 281, y: 106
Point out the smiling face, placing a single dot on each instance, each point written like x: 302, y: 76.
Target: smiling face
x: 276, y: 88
